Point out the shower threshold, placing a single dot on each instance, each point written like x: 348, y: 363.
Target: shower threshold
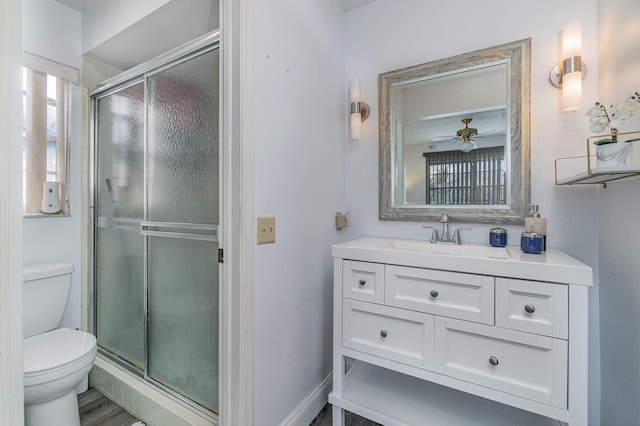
x: 145, y: 399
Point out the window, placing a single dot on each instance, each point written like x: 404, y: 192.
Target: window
x: 46, y: 99
x: 475, y: 177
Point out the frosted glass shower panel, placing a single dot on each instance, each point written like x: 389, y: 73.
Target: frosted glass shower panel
x: 182, y: 214
x: 183, y: 317
x: 119, y: 209
x: 183, y: 142
x: 156, y: 220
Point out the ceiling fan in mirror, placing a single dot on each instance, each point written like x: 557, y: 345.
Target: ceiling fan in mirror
x: 467, y: 136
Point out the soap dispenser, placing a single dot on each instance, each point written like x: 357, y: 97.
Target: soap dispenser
x: 534, y: 223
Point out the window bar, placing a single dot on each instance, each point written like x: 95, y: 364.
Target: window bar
x: 486, y: 177
x: 467, y: 181
x: 497, y: 178
x: 470, y: 181
x: 455, y: 184
x: 456, y: 180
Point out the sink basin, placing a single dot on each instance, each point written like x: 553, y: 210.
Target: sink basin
x: 426, y: 247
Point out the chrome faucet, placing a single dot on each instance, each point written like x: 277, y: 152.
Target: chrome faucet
x: 444, y: 220
x: 445, y: 239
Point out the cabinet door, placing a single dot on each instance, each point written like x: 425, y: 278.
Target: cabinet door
x: 394, y: 334
x: 522, y: 364
x: 363, y: 281
x: 534, y: 307
x: 450, y: 294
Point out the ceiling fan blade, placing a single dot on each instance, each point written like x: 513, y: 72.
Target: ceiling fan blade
x: 491, y: 134
x: 432, y: 145
x: 443, y: 138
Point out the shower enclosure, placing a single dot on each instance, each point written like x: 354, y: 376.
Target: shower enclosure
x: 155, y: 219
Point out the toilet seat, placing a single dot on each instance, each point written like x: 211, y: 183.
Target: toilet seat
x: 57, y: 353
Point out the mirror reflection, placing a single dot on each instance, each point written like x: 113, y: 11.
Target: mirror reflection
x: 454, y: 137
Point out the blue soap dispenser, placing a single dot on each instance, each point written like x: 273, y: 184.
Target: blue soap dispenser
x: 531, y: 242
x: 535, y: 223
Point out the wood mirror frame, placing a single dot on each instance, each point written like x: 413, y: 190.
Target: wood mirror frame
x: 516, y: 55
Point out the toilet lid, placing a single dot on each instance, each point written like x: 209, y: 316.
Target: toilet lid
x: 56, y: 348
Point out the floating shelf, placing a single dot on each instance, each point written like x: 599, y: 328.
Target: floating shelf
x: 582, y: 170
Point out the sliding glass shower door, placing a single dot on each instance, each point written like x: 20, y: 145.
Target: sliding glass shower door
x: 157, y: 216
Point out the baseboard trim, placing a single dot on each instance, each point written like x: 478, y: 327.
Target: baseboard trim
x: 309, y: 408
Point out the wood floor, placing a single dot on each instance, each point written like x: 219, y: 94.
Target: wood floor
x: 350, y: 419
x: 97, y: 410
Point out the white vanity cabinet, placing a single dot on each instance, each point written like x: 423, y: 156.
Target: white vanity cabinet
x: 458, y: 336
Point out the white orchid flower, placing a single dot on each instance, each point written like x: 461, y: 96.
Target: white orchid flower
x: 615, y: 123
x: 596, y: 128
x: 595, y: 109
x: 631, y: 106
x: 599, y: 118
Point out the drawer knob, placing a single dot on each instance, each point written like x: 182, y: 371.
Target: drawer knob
x: 383, y: 333
x: 529, y: 308
x: 362, y: 282
x: 433, y: 293
x: 493, y: 360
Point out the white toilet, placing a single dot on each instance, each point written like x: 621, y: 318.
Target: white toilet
x: 56, y: 359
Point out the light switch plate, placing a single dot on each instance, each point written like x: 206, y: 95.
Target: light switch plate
x: 266, y: 229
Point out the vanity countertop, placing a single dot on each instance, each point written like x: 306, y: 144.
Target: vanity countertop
x: 552, y: 265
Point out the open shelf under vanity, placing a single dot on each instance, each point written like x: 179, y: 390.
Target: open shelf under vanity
x: 392, y: 399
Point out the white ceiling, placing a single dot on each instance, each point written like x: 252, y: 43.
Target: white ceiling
x: 78, y: 5
x: 348, y: 5
x: 118, y: 51
x: 81, y: 5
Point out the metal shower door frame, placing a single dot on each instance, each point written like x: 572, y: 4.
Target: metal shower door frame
x: 202, y: 232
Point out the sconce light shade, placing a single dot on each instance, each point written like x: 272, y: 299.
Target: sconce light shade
x: 569, y: 73
x: 572, y: 40
x: 572, y: 91
x: 354, y: 90
x: 359, y: 110
x: 572, y: 66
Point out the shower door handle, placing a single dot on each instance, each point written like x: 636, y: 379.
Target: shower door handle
x: 190, y: 231
x: 118, y: 223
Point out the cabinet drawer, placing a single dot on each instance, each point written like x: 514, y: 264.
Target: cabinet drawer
x: 534, y: 307
x: 394, y: 334
x: 363, y: 281
x: 526, y: 365
x: 450, y: 294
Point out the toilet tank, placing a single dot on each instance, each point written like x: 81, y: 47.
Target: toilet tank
x: 45, y: 293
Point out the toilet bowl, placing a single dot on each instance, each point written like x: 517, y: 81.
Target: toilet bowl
x: 56, y: 360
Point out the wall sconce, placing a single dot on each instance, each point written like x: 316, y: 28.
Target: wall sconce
x: 568, y: 74
x: 359, y: 109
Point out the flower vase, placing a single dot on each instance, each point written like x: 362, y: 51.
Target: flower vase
x: 614, y: 154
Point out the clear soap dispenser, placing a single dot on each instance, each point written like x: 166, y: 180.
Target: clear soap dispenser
x: 534, y: 223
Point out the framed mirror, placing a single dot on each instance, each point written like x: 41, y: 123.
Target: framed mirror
x: 454, y: 137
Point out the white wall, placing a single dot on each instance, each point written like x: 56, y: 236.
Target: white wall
x: 391, y: 34
x: 52, y: 31
x: 125, y: 33
x: 105, y: 19
x: 300, y: 125
x: 619, y: 226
